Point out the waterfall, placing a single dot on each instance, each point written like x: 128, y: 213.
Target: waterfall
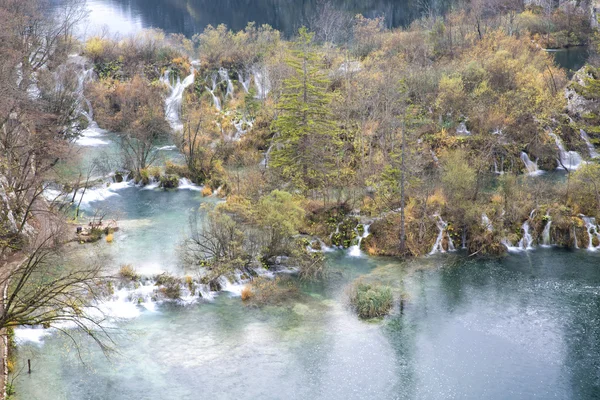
x: 174, y: 100
x: 261, y: 80
x: 546, y: 232
x: 571, y: 160
x: 224, y: 74
x: 435, y: 158
x: 487, y: 224
x: 464, y: 239
x: 592, y: 230
x: 239, y: 127
x: 90, y: 135
x: 354, y: 251
x: 527, y: 240
x: 438, y: 246
x: 245, y: 82
x: 462, y: 130
x: 532, y: 168
x: 590, y: 146
x: 216, y: 100
x: 265, y: 160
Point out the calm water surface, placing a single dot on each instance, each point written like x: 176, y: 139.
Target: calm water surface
x: 523, y: 327
x: 192, y: 16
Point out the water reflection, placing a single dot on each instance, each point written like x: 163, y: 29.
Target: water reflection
x: 192, y: 16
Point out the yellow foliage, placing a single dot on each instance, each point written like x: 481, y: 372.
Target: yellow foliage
x: 496, y: 199
x: 206, y: 191
x: 95, y: 47
x: 437, y: 199
x: 109, y: 238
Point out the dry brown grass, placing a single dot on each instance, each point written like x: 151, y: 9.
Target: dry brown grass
x: 247, y: 293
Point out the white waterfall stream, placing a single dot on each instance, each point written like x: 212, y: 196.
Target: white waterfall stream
x: 438, y: 246
x: 245, y: 81
x: 530, y: 166
x: 487, y: 224
x: 261, y: 80
x: 592, y: 230
x: 526, y: 241
x: 354, y: 251
x: 90, y: 136
x: 588, y: 143
x: 546, y: 240
x: 174, y: 100
x: 570, y: 160
x: 224, y: 75
x: 265, y: 160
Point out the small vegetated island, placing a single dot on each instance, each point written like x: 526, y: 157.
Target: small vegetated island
x: 352, y: 211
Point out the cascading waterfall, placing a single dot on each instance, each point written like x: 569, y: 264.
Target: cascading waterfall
x: 487, y: 224
x: 265, y: 160
x: 216, y: 100
x: 245, y: 81
x: 546, y: 233
x: 462, y: 130
x: 224, y: 74
x: 570, y: 160
x: 592, y: 230
x: 530, y: 166
x: 501, y: 170
x: 261, y: 80
x: 90, y: 135
x: 526, y: 241
x: 438, y: 246
x: 354, y: 251
x: 239, y: 127
x: 175, y: 99
x: 588, y: 143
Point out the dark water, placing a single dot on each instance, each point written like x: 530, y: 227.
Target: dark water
x: 571, y: 59
x: 192, y: 16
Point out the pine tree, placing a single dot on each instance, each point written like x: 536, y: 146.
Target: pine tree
x: 306, y: 135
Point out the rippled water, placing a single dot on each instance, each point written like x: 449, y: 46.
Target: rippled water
x: 526, y: 326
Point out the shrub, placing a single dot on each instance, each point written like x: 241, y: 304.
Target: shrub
x: 370, y: 300
x: 206, y: 191
x: 176, y: 169
x: 128, y: 272
x: 190, y: 283
x: 144, y: 177
x: 246, y: 293
x: 95, y: 48
x: 154, y: 172
x: 170, y: 286
x: 272, y: 291
x: 169, y: 181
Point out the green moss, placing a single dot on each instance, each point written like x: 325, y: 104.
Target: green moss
x: 169, y: 181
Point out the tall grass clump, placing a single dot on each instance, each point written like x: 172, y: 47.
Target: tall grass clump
x: 128, y: 272
x: 371, y: 300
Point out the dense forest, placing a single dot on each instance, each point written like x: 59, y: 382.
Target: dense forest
x: 457, y: 131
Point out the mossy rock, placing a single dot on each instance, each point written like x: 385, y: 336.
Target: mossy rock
x: 169, y: 181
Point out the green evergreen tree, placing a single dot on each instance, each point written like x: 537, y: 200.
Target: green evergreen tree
x: 306, y: 138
